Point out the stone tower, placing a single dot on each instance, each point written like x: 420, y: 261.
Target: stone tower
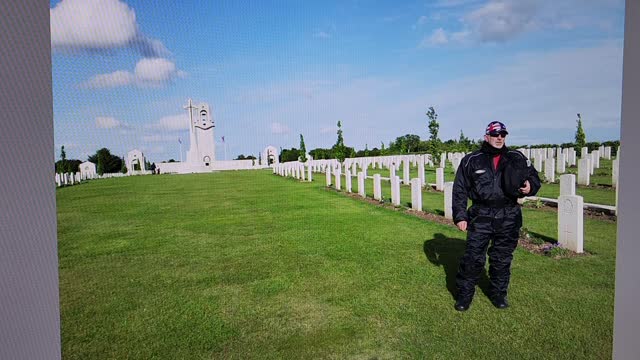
x: 202, y: 149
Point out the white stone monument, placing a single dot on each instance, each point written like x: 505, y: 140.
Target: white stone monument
x: 135, y: 162
x: 439, y: 179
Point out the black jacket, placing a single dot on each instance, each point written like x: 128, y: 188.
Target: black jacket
x: 477, y: 180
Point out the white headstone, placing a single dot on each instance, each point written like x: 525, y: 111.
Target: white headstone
x: 570, y: 222
x: 347, y: 181
x: 395, y: 190
x: 377, y: 187
x: 584, y: 153
x: 560, y: 165
x: 616, y: 171
x: 416, y: 194
x: 328, y: 173
x: 583, y: 171
x: 421, y: 173
x: 309, y: 172
x: 338, y: 177
x: 405, y: 171
x: 550, y: 170
x: 439, y: 179
x: 567, y: 184
x: 361, y: 184
x: 448, y: 200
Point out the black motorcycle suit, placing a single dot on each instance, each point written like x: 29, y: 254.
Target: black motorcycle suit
x: 493, y: 216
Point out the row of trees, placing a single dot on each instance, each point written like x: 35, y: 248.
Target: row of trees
x: 411, y: 143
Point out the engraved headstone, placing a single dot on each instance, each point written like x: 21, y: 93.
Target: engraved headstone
x: 570, y: 222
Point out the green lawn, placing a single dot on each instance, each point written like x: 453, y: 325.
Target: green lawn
x: 250, y: 265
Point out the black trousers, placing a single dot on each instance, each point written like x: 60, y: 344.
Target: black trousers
x: 495, y: 228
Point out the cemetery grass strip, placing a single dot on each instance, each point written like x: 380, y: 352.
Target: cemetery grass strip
x: 246, y: 264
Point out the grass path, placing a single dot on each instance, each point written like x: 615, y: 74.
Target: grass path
x: 250, y: 265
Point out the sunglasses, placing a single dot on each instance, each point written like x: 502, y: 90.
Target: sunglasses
x: 498, y: 135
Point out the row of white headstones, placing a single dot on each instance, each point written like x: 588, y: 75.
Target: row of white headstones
x: 570, y: 205
x: 67, y: 179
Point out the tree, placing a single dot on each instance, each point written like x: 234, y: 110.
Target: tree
x: 287, y: 155
x: 123, y: 168
x: 434, y: 146
x: 106, y: 162
x: 581, y: 139
x: 303, y: 150
x: 62, y: 166
x: 339, y: 150
x: 433, y: 124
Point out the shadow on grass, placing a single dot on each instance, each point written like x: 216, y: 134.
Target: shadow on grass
x: 544, y: 237
x: 446, y: 252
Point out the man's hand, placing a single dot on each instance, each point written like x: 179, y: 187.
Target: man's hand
x: 526, y: 188
x: 462, y: 225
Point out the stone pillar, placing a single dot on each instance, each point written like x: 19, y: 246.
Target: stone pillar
x: 377, y: 187
x: 570, y: 222
x: 416, y: 194
x: 448, y: 200
x: 395, y: 190
x: 361, y: 190
x: 583, y: 171
x: 439, y: 179
x: 567, y: 184
x: 550, y: 170
x: 347, y: 180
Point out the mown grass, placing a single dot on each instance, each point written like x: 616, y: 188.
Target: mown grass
x: 251, y: 265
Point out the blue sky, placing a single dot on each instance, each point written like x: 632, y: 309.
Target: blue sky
x: 271, y: 70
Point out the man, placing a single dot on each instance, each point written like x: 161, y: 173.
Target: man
x: 493, y: 177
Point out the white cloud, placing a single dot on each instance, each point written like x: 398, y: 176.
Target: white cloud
x: 103, y: 122
x: 99, y: 25
x: 278, y: 128
x: 321, y: 35
x: 114, y: 79
x: 500, y: 20
x: 171, y: 123
x: 148, y: 72
x: 421, y: 21
x: 437, y: 37
x: 155, y: 71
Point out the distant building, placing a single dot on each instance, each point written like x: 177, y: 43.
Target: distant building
x: 88, y: 170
